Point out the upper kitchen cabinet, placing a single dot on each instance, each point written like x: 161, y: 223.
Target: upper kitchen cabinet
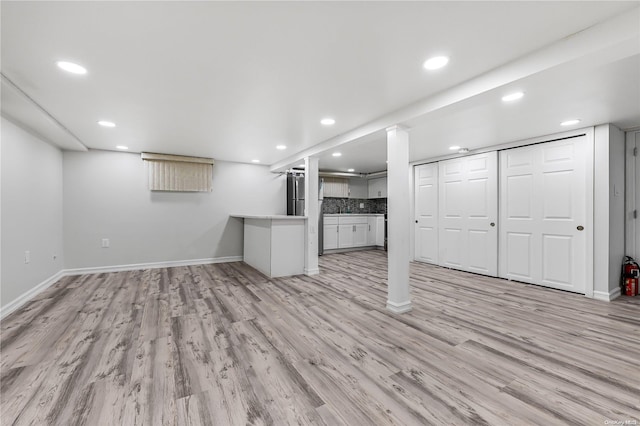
x: 378, y: 188
x: 358, y: 188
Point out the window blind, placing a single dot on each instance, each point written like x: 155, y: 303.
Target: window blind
x: 178, y: 173
x: 336, y: 187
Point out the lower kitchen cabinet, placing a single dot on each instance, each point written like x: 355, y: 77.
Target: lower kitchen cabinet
x: 345, y: 235
x: 379, y: 236
x: 360, y: 234
x: 372, y: 230
x: 350, y: 231
x: 330, y: 233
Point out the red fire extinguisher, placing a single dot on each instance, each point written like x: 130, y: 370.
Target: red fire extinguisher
x: 630, y: 276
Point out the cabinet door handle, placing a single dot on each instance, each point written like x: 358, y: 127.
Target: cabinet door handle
x: 369, y: 228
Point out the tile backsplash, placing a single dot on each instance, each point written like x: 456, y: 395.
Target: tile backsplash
x: 352, y: 205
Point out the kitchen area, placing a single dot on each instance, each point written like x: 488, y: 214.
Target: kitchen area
x: 352, y: 215
x: 352, y: 209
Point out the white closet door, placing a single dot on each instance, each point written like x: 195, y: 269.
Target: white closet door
x: 426, y: 213
x: 634, y: 238
x: 637, y: 197
x: 543, y: 214
x: 468, y: 209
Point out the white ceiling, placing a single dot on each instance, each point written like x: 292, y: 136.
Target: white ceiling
x: 231, y: 80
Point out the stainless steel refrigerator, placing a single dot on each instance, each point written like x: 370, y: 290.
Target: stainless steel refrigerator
x: 295, y: 194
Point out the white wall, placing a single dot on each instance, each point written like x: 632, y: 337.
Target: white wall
x: 105, y: 196
x: 608, y: 210
x: 616, y: 205
x: 632, y: 195
x: 31, y: 217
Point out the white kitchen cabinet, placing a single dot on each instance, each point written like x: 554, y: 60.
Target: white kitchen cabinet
x: 372, y: 230
x: 358, y: 188
x: 375, y: 234
x: 378, y: 188
x: 330, y: 237
x: 379, y: 240
x: 352, y: 230
x: 345, y: 235
x: 360, y: 234
x: 330, y: 233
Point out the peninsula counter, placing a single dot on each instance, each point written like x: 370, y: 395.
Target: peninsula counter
x: 274, y: 244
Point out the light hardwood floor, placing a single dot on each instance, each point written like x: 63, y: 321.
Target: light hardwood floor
x: 224, y: 345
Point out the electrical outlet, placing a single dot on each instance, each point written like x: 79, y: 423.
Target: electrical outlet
x: 105, y: 243
x: 27, y: 256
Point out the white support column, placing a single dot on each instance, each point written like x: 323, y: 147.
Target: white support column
x: 399, y: 217
x: 311, y: 210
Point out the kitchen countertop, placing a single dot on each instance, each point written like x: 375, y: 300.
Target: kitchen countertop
x: 270, y: 217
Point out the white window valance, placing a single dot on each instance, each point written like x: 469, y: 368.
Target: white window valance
x: 178, y: 173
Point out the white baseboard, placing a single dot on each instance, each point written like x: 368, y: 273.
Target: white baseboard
x: 399, y: 308
x: 152, y: 265
x: 314, y: 271
x: 28, y: 295
x: 607, y: 296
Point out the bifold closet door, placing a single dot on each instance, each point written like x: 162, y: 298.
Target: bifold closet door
x: 543, y: 214
x: 426, y: 213
x: 468, y: 211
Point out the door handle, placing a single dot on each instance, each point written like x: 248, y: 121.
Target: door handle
x: 580, y: 228
x: 416, y: 221
x: 492, y: 224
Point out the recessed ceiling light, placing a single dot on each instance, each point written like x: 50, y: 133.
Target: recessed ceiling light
x: 106, y: 123
x: 435, y: 63
x: 454, y: 148
x: 281, y: 147
x: 255, y: 161
x: 122, y: 147
x: 337, y: 154
x: 351, y: 170
x: 327, y: 121
x: 71, y: 67
x: 570, y: 122
x: 512, y: 97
